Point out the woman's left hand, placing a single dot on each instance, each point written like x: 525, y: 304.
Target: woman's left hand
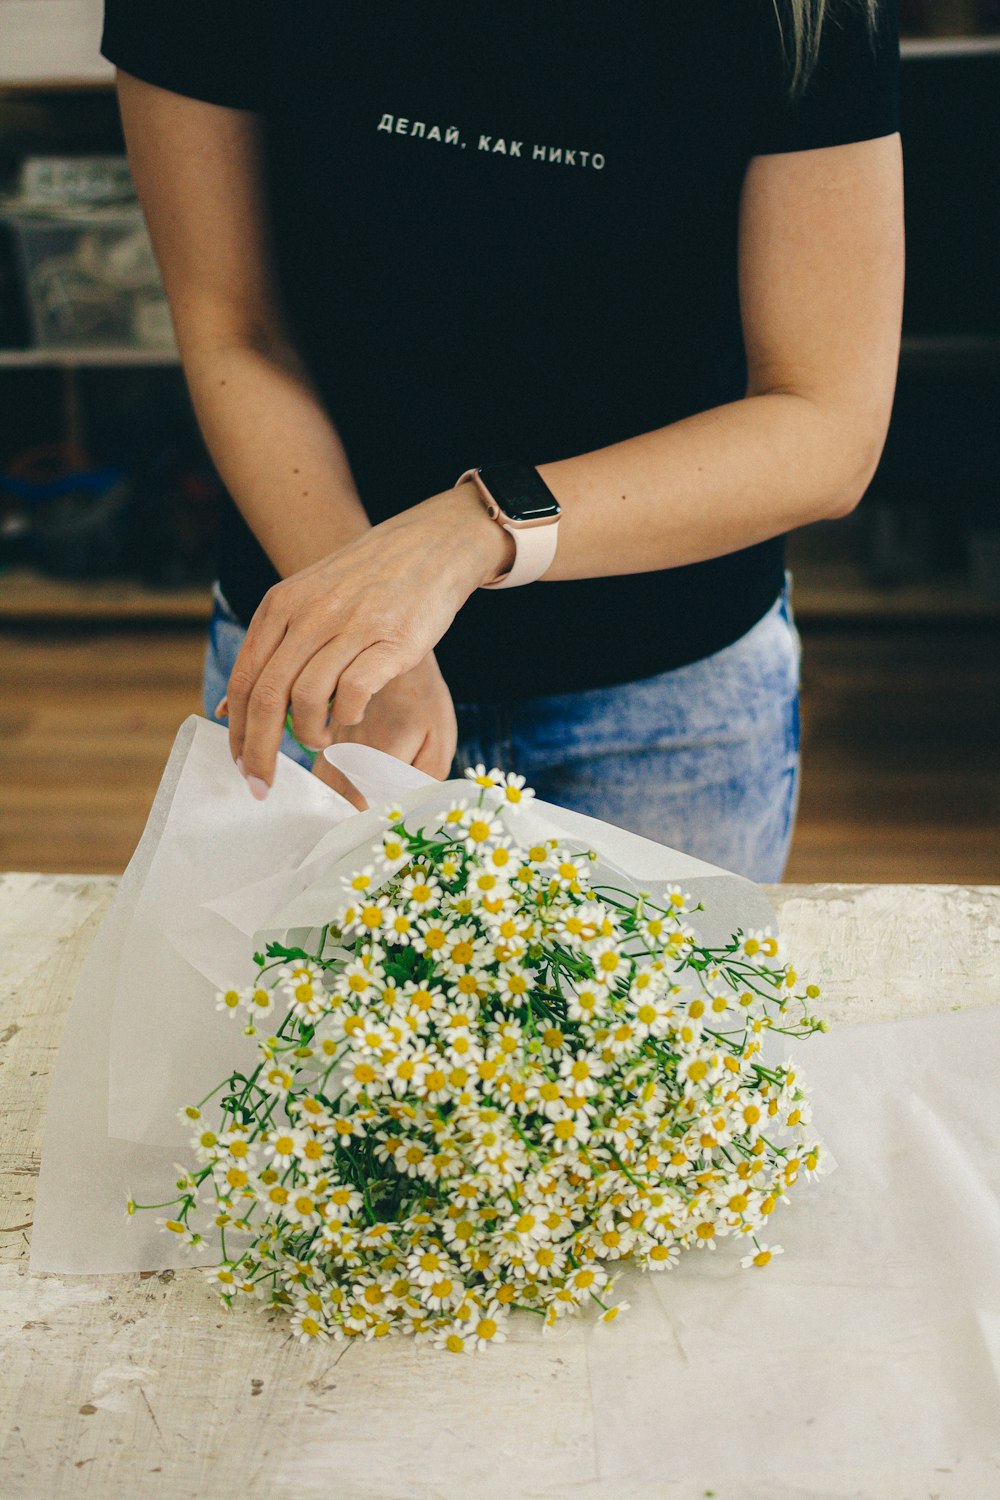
x: 346, y: 625
x: 412, y: 718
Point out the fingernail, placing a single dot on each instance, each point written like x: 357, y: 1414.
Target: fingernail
x: 239, y: 765
x: 221, y: 708
x: 258, y: 787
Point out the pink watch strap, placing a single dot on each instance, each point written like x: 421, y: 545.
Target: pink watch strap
x: 534, y: 547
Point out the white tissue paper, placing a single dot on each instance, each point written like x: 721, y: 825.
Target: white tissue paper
x: 214, y: 877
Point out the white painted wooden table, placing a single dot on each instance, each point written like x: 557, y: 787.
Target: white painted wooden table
x: 117, y: 1387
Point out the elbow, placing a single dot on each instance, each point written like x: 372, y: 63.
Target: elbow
x: 846, y: 497
x: 856, y: 449
x: 845, y: 445
x: 850, y: 488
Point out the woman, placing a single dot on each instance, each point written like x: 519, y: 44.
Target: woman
x: 650, y: 255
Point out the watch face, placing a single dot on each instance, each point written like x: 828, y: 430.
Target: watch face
x: 519, y: 490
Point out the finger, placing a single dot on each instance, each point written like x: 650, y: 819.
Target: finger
x: 433, y: 758
x: 403, y: 740
x: 267, y: 705
x: 311, y: 694
x: 391, y: 742
x: 336, y: 779
x: 264, y: 635
x: 315, y: 686
x: 366, y: 675
x: 429, y: 759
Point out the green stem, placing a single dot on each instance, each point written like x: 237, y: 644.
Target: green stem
x: 288, y: 725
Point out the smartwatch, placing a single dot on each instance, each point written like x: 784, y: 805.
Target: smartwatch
x: 520, y: 501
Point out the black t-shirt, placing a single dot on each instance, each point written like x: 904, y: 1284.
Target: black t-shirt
x: 508, y: 229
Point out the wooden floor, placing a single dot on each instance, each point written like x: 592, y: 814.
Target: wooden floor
x: 901, y: 748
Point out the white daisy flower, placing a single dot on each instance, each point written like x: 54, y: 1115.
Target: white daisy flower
x: 481, y: 776
x: 428, y: 1265
x: 301, y: 1208
x: 486, y: 1328
x: 586, y: 1281
x: 660, y: 1256
x: 276, y: 1078
x: 420, y: 891
x: 762, y: 1256
x: 478, y: 826
x: 513, y: 787
x: 454, y: 1339
x: 513, y: 983
x: 236, y: 1147
x: 394, y: 851
x: 307, y: 1327
x: 761, y: 946
x: 431, y: 935
x: 361, y: 881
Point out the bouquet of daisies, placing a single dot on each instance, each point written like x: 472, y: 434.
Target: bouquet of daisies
x: 492, y: 1083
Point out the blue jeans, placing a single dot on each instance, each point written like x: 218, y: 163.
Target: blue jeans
x: 704, y: 758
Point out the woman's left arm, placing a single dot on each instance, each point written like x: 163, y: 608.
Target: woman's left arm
x: 821, y: 262
x: 821, y: 255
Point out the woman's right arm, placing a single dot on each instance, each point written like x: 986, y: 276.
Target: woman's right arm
x: 197, y: 170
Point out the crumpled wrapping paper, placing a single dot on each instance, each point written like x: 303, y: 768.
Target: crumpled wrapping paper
x: 214, y: 876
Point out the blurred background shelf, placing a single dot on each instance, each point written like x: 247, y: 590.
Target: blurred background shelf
x: 832, y: 584
x: 947, y: 46
x: 84, y: 358
x: 827, y: 591
x: 30, y: 596
x: 831, y: 587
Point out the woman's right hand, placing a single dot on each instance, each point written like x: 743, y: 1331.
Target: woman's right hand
x: 412, y: 718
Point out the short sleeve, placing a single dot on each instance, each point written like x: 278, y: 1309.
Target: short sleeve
x: 853, y: 91
x: 207, y: 49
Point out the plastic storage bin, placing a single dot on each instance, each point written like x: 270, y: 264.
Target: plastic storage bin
x: 58, y: 182
x: 90, y: 278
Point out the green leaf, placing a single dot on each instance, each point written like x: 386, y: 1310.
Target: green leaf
x: 278, y: 950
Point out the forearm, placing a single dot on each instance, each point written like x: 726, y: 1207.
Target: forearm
x: 712, y: 483
x: 276, y: 450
